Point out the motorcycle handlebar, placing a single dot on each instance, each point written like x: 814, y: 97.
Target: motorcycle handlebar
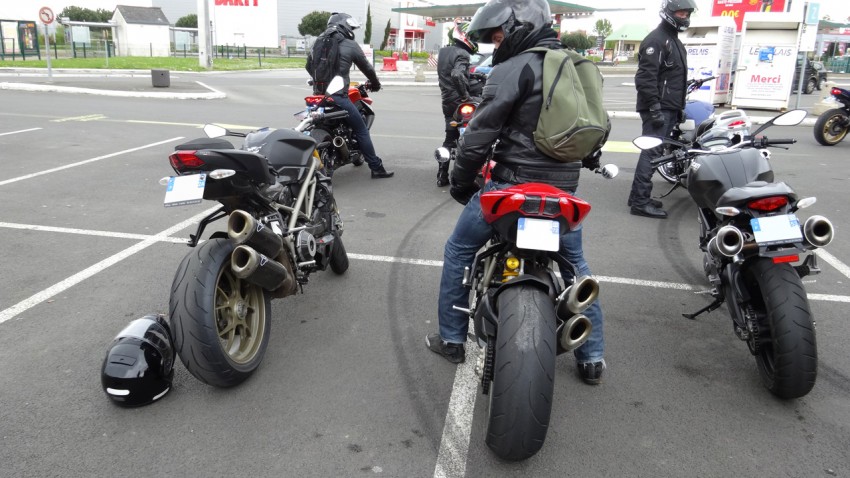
x: 662, y: 159
x: 764, y: 142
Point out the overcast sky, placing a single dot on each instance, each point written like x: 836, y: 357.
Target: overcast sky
x: 838, y: 10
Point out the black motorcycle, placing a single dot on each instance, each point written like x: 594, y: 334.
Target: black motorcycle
x: 831, y: 127
x: 750, y: 236
x: 282, y: 225
x: 463, y: 113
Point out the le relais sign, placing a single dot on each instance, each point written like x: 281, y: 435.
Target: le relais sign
x: 735, y: 9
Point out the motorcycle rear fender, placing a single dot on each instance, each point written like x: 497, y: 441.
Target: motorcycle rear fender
x: 737, y: 289
x: 486, y: 317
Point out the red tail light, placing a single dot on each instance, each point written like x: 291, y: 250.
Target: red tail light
x: 782, y: 259
x: 835, y: 92
x: 768, y: 204
x: 737, y: 123
x: 313, y: 100
x: 466, y: 111
x: 472, y: 69
x: 183, y: 160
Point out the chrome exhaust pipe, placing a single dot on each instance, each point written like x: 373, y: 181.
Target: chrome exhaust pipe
x: 728, y: 242
x: 577, y: 297
x: 340, y: 144
x: 243, y: 228
x: 574, y: 332
x: 256, y: 268
x: 818, y: 231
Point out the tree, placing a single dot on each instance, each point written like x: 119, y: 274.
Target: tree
x: 78, y: 14
x: 386, y: 36
x: 367, y: 32
x: 576, y: 40
x: 314, y: 23
x: 603, y: 28
x: 189, y: 21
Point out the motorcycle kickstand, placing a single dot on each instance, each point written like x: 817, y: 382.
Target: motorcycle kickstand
x: 717, y: 303
x: 675, y: 186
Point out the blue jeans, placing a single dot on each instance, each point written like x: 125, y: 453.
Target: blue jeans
x: 361, y: 132
x: 470, y: 234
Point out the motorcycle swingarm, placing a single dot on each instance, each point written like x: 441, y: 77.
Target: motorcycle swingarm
x: 214, y: 216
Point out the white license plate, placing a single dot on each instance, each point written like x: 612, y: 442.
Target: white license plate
x: 538, y: 234
x: 462, y: 129
x: 185, y: 190
x: 776, y: 229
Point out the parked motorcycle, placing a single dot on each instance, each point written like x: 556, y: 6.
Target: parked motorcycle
x: 335, y: 129
x: 283, y: 224
x: 750, y: 235
x: 523, y: 315
x: 831, y: 126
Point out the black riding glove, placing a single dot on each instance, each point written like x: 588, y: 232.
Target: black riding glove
x: 591, y: 161
x: 462, y: 193
x: 375, y: 86
x: 656, y: 118
x: 681, y: 116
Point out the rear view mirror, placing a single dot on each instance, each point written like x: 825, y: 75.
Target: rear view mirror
x: 647, y: 142
x: 336, y: 84
x: 791, y: 118
x: 214, y: 131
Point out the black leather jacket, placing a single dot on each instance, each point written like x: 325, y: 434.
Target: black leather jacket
x: 349, y: 53
x: 453, y: 76
x: 662, y: 70
x: 512, y: 100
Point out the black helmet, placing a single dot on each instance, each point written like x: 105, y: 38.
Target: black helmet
x: 139, y: 364
x: 669, y: 9
x: 344, y: 23
x: 510, y: 15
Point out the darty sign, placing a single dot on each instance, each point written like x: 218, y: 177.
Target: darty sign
x: 237, y: 3
x: 250, y: 23
x: 735, y: 9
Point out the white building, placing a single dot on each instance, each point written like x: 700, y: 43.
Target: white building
x: 141, y: 31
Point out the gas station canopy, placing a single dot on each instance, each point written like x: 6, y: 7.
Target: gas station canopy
x: 447, y: 13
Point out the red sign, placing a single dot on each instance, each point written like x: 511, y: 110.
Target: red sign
x: 46, y: 15
x: 737, y: 8
x: 237, y: 3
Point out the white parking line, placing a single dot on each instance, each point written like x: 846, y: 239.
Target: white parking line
x: 20, y: 131
x: 80, y: 163
x: 90, y: 232
x: 100, y: 266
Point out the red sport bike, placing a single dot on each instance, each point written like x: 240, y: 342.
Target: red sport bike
x: 523, y: 313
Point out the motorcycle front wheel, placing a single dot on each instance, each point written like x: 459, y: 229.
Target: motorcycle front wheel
x: 787, y: 356
x: 221, y: 323
x: 831, y: 127
x: 523, y: 374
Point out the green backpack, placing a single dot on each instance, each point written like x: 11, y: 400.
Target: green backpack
x: 573, y: 123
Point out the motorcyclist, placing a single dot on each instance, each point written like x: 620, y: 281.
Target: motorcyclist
x: 453, y: 75
x: 660, y: 81
x: 512, y: 101
x: 351, y: 53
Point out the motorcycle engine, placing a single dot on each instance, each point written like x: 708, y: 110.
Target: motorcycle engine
x: 305, y: 246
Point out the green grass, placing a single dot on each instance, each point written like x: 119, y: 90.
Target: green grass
x: 158, y: 63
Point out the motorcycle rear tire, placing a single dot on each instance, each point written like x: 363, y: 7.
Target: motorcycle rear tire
x: 221, y: 323
x: 788, y: 357
x: 523, y: 375
x: 826, y: 131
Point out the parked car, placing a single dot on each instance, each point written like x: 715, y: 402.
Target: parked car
x: 484, y: 65
x: 814, y: 79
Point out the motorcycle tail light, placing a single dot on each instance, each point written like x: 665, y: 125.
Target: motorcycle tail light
x: 784, y: 259
x: 768, y: 204
x: 313, y: 100
x: 835, y: 92
x: 736, y: 124
x: 183, y: 160
x: 466, y: 111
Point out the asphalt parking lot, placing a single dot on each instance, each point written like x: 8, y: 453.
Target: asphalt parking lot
x: 347, y: 387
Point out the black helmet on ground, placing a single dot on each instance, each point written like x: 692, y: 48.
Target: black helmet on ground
x: 139, y: 365
x: 345, y: 23
x: 669, y: 9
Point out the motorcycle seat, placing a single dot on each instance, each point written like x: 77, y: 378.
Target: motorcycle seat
x: 204, y: 143
x: 754, y: 190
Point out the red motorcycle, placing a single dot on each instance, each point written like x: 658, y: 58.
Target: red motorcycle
x: 523, y: 314
x: 334, y: 131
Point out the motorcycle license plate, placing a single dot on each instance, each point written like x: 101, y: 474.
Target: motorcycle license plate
x: 462, y: 129
x: 538, y: 234
x: 185, y: 190
x: 776, y: 229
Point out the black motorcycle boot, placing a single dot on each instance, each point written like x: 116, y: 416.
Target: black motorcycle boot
x: 652, y: 202
x: 382, y: 173
x: 591, y: 372
x: 443, y: 174
x: 454, y: 353
x: 648, y: 210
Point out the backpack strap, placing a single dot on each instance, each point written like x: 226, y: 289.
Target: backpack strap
x: 557, y: 78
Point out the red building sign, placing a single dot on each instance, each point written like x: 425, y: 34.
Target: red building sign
x: 737, y: 8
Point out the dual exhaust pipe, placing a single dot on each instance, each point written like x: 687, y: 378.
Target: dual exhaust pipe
x: 729, y: 241
x: 256, y: 246
x: 576, y: 328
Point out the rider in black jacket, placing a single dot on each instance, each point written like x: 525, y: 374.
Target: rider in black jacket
x: 351, y: 53
x: 453, y: 77
x: 508, y: 113
x: 660, y: 82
